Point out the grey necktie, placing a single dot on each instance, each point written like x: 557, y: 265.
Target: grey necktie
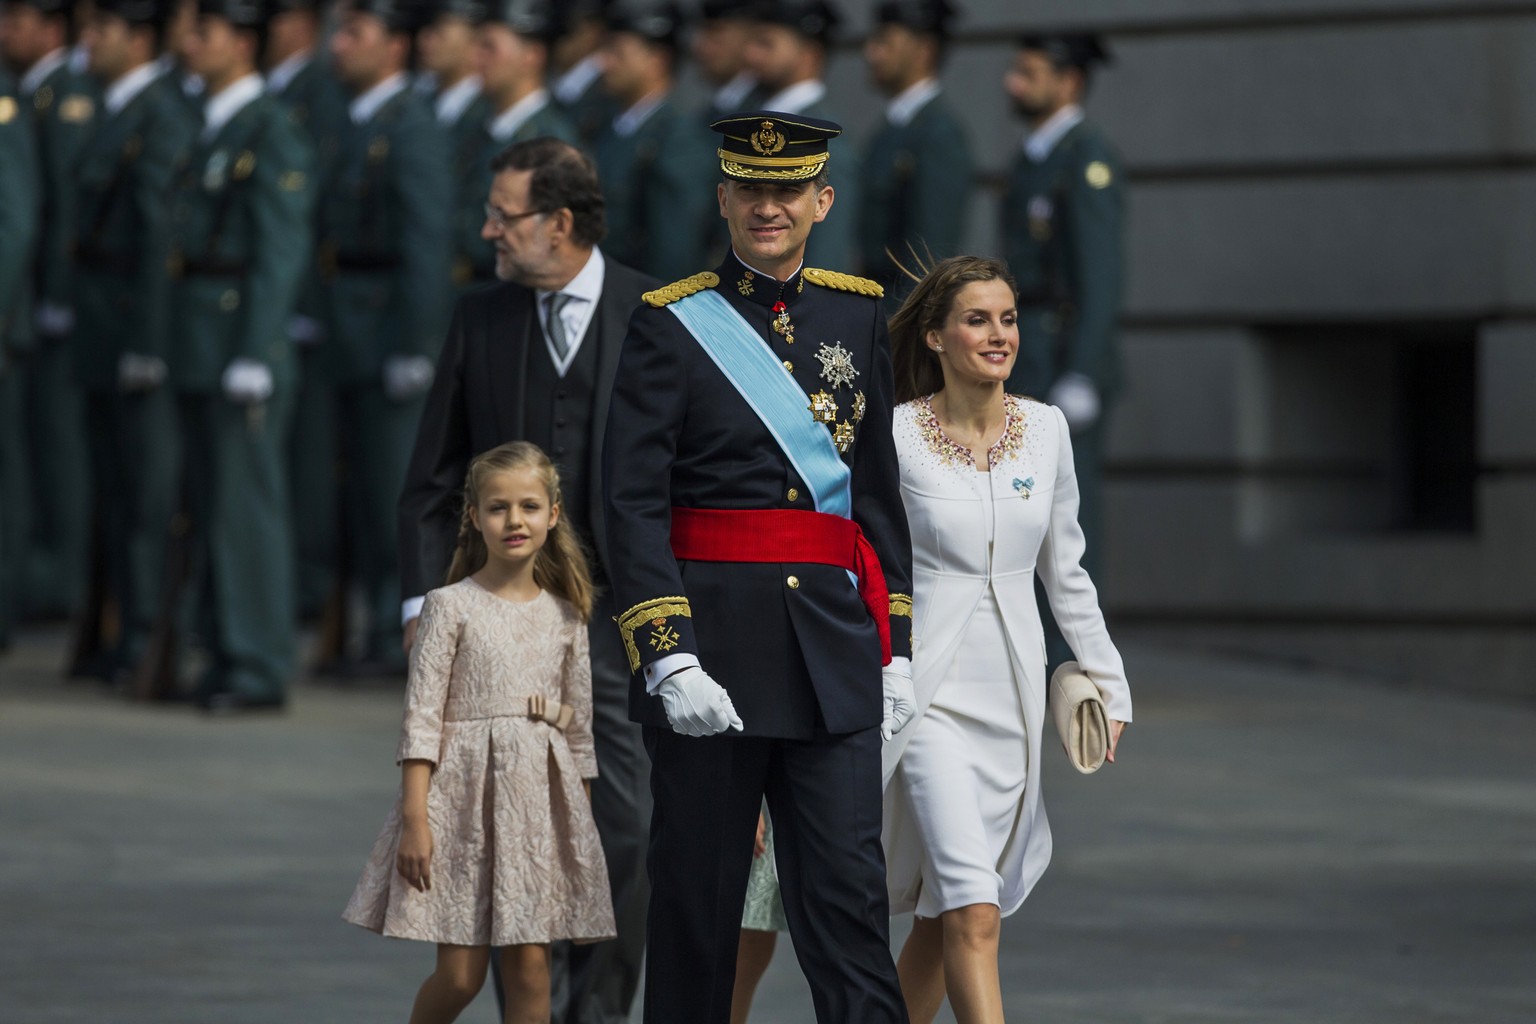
x: 553, y: 325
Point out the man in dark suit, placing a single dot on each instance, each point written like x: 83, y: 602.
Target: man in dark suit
x: 749, y: 472
x: 533, y: 358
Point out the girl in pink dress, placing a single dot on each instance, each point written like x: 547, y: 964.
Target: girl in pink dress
x: 491, y: 842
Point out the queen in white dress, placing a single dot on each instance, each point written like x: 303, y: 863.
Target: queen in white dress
x: 992, y: 502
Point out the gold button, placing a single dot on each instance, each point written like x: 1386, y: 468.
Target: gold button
x: 229, y: 301
x: 794, y: 582
x: 789, y: 366
x: 793, y: 495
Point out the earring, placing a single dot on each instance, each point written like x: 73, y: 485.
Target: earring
x: 938, y: 348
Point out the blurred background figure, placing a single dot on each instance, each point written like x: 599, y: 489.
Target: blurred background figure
x: 512, y: 57
x: 299, y: 77
x: 385, y: 249
x: 787, y: 53
x: 576, y: 63
x: 122, y: 332
x: 918, y: 172
x: 50, y: 496
x: 242, y: 236
x: 445, y: 50
x: 1063, y: 219
x: 652, y: 155
x: 719, y: 47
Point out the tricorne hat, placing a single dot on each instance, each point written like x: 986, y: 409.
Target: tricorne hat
x: 1069, y: 49
x: 932, y: 16
x: 240, y: 13
x: 767, y: 145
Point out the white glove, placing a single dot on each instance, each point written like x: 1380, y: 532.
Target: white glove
x: 137, y: 372
x: 1078, y: 399
x: 900, y: 701
x: 305, y: 330
x: 247, y: 381
x: 697, y: 705
x: 407, y: 376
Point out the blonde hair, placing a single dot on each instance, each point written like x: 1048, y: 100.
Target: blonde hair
x: 915, y: 365
x: 560, y: 566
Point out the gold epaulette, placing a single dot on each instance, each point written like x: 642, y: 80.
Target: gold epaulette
x: 668, y: 294
x: 844, y: 282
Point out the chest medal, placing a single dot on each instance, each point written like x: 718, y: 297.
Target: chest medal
x: 837, y: 365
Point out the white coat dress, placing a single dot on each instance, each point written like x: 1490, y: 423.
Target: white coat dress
x: 978, y: 666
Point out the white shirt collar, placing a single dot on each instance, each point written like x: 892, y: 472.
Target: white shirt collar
x: 765, y: 273
x: 629, y: 122
x: 586, y: 288
x: 901, y: 110
x: 730, y: 96
x: 221, y: 109
x: 797, y: 97
x: 505, y: 124
x: 362, y: 109
x: 40, y: 71
x: 1039, y: 143
x: 282, y: 76
x: 453, y: 101
x: 122, y: 92
x: 79, y: 59
x: 570, y: 86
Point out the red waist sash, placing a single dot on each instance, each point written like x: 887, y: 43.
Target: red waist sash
x: 787, y: 535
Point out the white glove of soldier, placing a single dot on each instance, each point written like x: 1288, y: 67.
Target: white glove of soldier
x: 407, y: 376
x: 137, y: 372
x: 246, y: 381
x: 900, y: 702
x: 1078, y: 399
x: 696, y: 705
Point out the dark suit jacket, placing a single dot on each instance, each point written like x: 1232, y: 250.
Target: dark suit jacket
x: 477, y: 403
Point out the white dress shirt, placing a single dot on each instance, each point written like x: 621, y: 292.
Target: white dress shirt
x: 362, y: 109
x: 570, y: 86
x: 629, y: 122
x: 222, y: 108
x: 40, y: 71
x: 122, y: 92
x: 452, y: 102
x: 1039, y: 143
x: 901, y: 110
x: 797, y: 97
x: 505, y: 124
x: 730, y: 96
x: 280, y: 77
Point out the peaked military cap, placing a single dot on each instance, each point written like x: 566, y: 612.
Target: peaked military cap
x: 765, y: 145
x: 1068, y: 49
x: 240, y: 13
x: 139, y: 12
x: 933, y: 16
x: 814, y: 19
x: 397, y: 15
x: 658, y: 22
x: 50, y: 8
x: 537, y: 19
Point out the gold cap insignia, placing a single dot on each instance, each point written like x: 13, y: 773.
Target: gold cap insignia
x: 768, y: 140
x: 1099, y: 175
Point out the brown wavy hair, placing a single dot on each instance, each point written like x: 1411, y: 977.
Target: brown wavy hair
x: 916, y: 366
x: 561, y: 565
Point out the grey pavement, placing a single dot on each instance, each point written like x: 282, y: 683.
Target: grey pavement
x: 1278, y: 844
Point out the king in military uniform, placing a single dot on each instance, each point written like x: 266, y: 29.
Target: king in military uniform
x: 760, y: 547
x: 1063, y: 232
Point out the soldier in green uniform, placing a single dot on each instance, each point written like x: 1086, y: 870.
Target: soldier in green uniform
x: 122, y: 337
x: 577, y: 61
x: 512, y: 55
x: 918, y: 171
x: 55, y: 491
x: 787, y: 52
x: 445, y: 51
x: 385, y: 218
x: 18, y: 237
x: 243, y: 215
x: 1063, y: 233
x: 652, y: 157
x: 300, y: 77
x: 719, y: 48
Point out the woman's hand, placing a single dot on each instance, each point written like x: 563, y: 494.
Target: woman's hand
x: 1115, y: 729
x: 760, y: 844
x: 414, y: 858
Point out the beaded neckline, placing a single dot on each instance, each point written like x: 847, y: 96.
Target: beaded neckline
x: 953, y: 453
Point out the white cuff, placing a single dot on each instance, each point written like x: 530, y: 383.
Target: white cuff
x: 410, y: 609
x: 659, y: 669
x: 900, y: 664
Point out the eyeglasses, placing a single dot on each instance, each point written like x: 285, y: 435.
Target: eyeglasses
x: 501, y: 220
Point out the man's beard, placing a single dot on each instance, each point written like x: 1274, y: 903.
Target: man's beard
x: 1029, y: 111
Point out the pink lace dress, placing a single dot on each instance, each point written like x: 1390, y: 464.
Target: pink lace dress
x: 516, y: 857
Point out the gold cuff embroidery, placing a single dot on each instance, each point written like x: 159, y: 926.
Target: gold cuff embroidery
x: 901, y: 604
x: 654, y: 613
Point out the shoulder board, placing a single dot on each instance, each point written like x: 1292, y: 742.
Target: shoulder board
x: 669, y: 294
x: 843, y: 282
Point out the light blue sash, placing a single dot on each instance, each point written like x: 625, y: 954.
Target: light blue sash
x: 751, y: 367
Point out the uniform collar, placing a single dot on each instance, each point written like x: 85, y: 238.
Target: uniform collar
x: 1039, y: 143
x: 901, y: 110
x: 282, y: 76
x: 362, y: 109
x: 505, y: 124
x: 123, y: 91
x: 38, y: 73
x: 755, y: 285
x: 796, y: 98
x: 730, y: 96
x: 633, y: 119
x: 570, y: 86
x: 453, y: 101
x: 221, y: 109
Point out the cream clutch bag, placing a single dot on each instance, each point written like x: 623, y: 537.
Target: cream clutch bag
x: 1080, y: 719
